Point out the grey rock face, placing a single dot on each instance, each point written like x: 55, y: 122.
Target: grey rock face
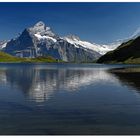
x: 40, y: 40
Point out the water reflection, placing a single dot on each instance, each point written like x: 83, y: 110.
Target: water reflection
x: 128, y: 77
x: 39, y: 84
x: 79, y: 100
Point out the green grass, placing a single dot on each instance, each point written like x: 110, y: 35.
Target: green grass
x: 4, y: 57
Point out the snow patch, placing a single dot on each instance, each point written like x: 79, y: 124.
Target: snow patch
x: 40, y: 37
x: 102, y: 49
x: 4, y: 45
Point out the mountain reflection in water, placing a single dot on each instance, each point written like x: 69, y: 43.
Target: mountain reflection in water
x: 39, y: 84
x: 69, y: 99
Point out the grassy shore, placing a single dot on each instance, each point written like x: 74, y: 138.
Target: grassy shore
x: 6, y: 58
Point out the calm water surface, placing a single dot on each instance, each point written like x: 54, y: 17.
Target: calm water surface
x: 68, y: 99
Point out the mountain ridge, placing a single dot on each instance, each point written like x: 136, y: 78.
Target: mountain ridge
x: 40, y: 40
x: 127, y: 52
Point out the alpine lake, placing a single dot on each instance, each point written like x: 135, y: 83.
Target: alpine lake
x: 69, y: 99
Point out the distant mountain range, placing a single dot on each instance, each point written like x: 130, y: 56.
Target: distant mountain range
x: 127, y: 52
x: 40, y: 40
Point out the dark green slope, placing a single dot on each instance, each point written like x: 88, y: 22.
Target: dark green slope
x: 128, y: 52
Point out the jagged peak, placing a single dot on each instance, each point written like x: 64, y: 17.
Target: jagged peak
x: 39, y: 23
x: 41, y: 29
x: 39, y: 26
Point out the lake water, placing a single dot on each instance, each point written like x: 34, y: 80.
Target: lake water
x: 64, y: 99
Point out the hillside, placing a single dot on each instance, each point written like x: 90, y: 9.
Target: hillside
x: 4, y: 57
x: 128, y: 52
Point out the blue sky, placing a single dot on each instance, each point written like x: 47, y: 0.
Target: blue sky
x: 94, y: 22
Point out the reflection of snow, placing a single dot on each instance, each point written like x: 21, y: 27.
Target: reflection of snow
x: 40, y: 83
x: 39, y: 92
x: 3, y: 79
x: 65, y: 79
x: 89, y: 77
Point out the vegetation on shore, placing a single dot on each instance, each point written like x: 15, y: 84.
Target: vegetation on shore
x: 126, y: 53
x: 4, y: 57
x: 7, y: 58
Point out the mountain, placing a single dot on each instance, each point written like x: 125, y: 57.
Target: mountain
x: 127, y: 52
x: 101, y: 49
x: 40, y: 40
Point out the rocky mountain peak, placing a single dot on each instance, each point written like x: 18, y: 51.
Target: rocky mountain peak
x: 41, y: 29
x: 40, y: 40
x: 40, y: 24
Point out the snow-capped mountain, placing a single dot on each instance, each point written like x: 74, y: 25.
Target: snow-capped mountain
x: 40, y: 40
x: 101, y: 49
